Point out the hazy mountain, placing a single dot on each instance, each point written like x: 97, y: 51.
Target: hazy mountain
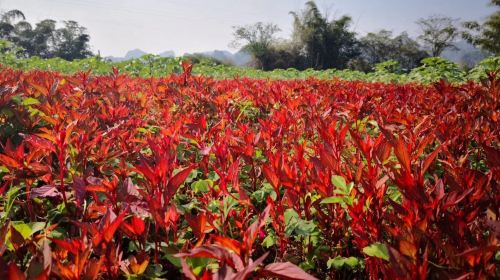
x: 167, y: 54
x: 466, y: 54
x: 135, y: 53
x: 238, y: 58
x: 223, y: 56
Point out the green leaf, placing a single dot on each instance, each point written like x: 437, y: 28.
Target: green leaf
x: 290, y: 216
x: 3, y: 169
x: 154, y: 271
x: 341, y: 185
x: 269, y: 240
x: 22, y: 228
x: 202, y: 185
x: 261, y: 194
x: 27, y: 230
x: 17, y: 99
x: 30, y: 101
x: 142, y: 130
x: 332, y: 200
x: 198, y: 264
x: 170, y: 252
x: 36, y: 227
x: 339, y: 182
x: 305, y: 228
x: 307, y: 265
x: 351, y: 262
x: 377, y: 250
x: 294, y: 225
x: 338, y: 262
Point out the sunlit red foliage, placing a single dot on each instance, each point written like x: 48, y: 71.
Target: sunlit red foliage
x: 135, y: 173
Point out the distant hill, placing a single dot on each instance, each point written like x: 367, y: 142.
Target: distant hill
x: 467, y: 54
x: 135, y: 53
x: 167, y: 54
x: 238, y: 58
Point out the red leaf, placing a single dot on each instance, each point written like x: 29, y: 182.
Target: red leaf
x: 242, y: 275
x: 429, y: 159
x: 9, y: 162
x: 493, y: 156
x: 15, y: 273
x: 40, y: 143
x: 197, y: 223
x: 138, y: 225
x: 214, y: 252
x: 188, y: 273
x: 145, y: 169
x: 228, y: 243
x: 287, y: 271
x: 407, y: 248
x: 111, y: 229
x: 176, y: 181
x: 45, y: 191
x: 271, y: 176
x: 402, y: 154
x: 47, y: 254
x: 251, y: 233
x: 66, y: 245
x: 479, y: 250
x: 92, y: 269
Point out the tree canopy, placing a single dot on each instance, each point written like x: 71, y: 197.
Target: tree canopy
x: 383, y: 46
x: 258, y: 41
x: 325, y: 43
x: 45, y: 40
x: 487, y: 35
x: 438, y: 33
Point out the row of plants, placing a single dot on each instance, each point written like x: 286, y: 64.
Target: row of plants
x: 192, y: 177
x: 431, y: 70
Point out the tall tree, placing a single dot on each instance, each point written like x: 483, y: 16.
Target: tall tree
x: 8, y: 22
x: 382, y: 46
x: 438, y: 33
x: 72, y: 41
x: 257, y: 40
x: 325, y: 43
x: 487, y: 35
x: 45, y: 40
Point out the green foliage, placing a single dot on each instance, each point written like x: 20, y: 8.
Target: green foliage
x: 8, y: 53
x: 434, y: 69
x: 377, y: 250
x: 486, y: 35
x: 340, y: 262
x: 44, y: 39
x: 382, y: 46
x: 295, y: 226
x: 488, y: 65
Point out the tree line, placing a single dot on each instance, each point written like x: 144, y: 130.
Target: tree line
x: 321, y: 43
x: 317, y: 41
x: 45, y: 39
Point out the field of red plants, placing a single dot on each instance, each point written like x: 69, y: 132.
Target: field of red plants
x: 190, y: 177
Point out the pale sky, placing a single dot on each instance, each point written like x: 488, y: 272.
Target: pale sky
x: 116, y: 26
